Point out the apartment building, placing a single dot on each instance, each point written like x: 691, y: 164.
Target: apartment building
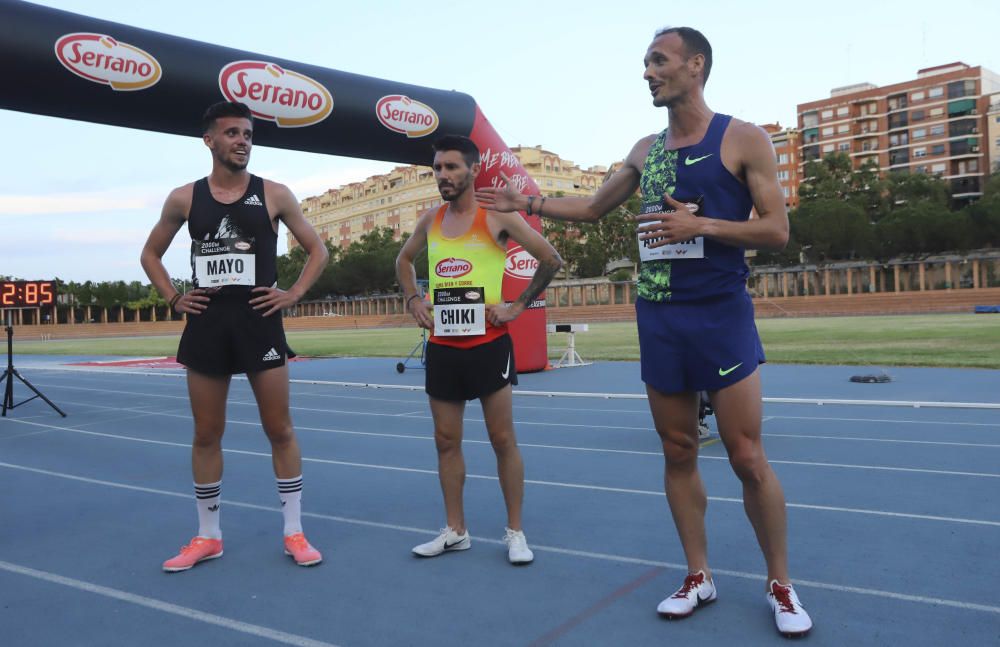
x: 396, y: 199
x: 786, y: 149
x: 936, y: 124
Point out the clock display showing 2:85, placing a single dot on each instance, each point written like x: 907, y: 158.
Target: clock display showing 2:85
x: 27, y: 294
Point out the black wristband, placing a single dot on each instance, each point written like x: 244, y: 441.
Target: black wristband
x: 540, y: 205
x: 174, y: 300
x: 531, y: 200
x: 412, y: 297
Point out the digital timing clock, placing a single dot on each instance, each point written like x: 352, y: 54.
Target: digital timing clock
x: 27, y: 294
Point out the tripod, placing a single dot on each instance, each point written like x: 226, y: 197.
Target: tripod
x: 11, y: 373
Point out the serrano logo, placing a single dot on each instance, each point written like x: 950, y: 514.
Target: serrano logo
x: 401, y: 114
x: 242, y: 245
x: 275, y: 94
x: 472, y: 295
x: 102, y: 59
x: 452, y: 267
x: 520, y: 264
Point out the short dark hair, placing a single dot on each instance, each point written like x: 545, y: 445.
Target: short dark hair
x: 464, y: 145
x: 224, y: 109
x: 694, y: 43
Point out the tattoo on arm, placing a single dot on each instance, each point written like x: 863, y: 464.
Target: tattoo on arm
x: 543, y: 275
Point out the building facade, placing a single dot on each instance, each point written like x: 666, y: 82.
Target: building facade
x: 397, y: 199
x: 935, y: 124
x: 786, y: 150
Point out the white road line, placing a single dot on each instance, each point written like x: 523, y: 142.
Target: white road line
x: 166, y: 607
x: 882, y: 440
x: 706, y: 457
x: 487, y: 477
x: 915, y: 404
x: 623, y: 559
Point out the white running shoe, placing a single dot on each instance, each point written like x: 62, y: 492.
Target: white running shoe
x: 448, y: 540
x: 703, y: 430
x: 696, y: 591
x: 789, y: 614
x: 517, y: 547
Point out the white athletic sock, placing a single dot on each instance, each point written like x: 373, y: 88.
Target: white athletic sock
x: 208, y: 496
x: 290, y: 493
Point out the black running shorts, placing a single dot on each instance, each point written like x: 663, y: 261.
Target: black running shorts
x: 230, y: 337
x: 469, y: 373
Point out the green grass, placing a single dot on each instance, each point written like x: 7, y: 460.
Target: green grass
x: 964, y: 340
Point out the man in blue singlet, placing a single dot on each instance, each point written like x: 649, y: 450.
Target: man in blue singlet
x: 699, y: 180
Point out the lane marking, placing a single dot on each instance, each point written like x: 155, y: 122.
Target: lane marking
x: 166, y: 607
x: 486, y: 477
x: 708, y: 443
x: 568, y: 552
x: 915, y: 404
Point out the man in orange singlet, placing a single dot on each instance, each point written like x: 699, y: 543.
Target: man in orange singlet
x: 470, y: 355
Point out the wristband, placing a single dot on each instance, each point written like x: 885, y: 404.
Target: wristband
x: 540, y: 205
x: 531, y: 200
x: 412, y: 297
x: 174, y: 300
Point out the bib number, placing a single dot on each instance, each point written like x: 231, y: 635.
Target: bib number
x: 460, y: 312
x: 694, y: 248
x: 229, y: 261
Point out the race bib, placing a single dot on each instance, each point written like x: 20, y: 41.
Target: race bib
x: 459, y: 312
x: 694, y: 248
x: 227, y: 261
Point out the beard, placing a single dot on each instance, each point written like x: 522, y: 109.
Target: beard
x: 231, y: 164
x: 452, y: 192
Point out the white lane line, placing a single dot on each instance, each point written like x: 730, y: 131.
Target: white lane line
x: 622, y: 559
x: 882, y: 440
x: 560, y: 484
x: 914, y: 404
x: 942, y: 423
x: 257, y: 631
x: 707, y: 457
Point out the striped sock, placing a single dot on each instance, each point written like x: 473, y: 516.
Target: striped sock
x: 290, y: 493
x: 208, y: 496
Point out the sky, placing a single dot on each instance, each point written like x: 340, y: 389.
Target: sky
x: 77, y: 200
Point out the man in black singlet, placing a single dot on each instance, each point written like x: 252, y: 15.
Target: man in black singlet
x: 234, y: 318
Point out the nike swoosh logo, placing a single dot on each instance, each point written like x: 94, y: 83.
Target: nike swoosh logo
x: 688, y: 161
x: 504, y: 373
x: 723, y: 373
x: 452, y: 545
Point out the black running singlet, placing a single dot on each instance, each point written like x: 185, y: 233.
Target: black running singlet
x: 232, y: 244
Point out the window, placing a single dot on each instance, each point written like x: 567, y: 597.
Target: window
x: 936, y: 112
x: 920, y: 152
x: 783, y: 158
x: 783, y: 175
x: 937, y: 149
x: 843, y: 147
x: 843, y: 128
x: 919, y: 133
x: 937, y: 130
x: 935, y: 92
x: 938, y: 168
x: 917, y: 96
x: 917, y: 115
x: 784, y: 190
x: 826, y: 114
x: 842, y: 111
x: 920, y: 169
x: 828, y: 131
x: 827, y: 148
x: 809, y: 119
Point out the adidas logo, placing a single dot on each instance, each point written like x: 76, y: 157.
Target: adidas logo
x: 214, y: 508
x: 271, y: 356
x: 253, y: 201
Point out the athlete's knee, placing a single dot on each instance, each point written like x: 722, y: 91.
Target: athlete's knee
x: 680, y: 450
x: 280, y: 434
x: 207, y: 436
x: 447, y: 442
x: 749, y: 464
x: 503, y: 439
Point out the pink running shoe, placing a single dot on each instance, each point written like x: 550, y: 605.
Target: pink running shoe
x: 200, y: 549
x: 304, y: 554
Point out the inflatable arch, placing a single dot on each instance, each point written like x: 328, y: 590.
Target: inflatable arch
x: 66, y: 65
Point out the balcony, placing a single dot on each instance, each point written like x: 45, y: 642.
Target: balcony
x: 898, y: 120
